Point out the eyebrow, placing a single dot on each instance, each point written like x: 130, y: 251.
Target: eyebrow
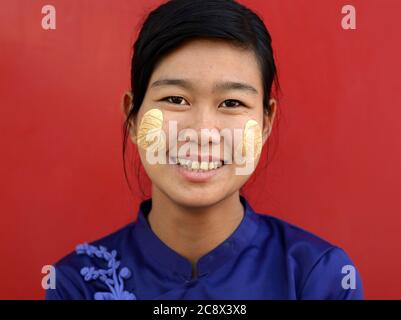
x: 222, y: 86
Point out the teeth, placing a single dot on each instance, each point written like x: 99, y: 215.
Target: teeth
x: 195, y: 165
x: 204, y: 165
x: 184, y: 162
x: 199, y: 167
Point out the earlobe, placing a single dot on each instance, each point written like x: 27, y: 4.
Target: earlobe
x: 268, y: 119
x: 126, y: 105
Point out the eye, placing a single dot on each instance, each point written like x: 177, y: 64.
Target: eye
x: 174, y: 100
x: 231, y: 103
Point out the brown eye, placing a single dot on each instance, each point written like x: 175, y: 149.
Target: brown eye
x: 174, y: 99
x: 230, y: 103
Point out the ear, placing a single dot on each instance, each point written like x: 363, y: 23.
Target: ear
x: 268, y: 120
x: 126, y: 105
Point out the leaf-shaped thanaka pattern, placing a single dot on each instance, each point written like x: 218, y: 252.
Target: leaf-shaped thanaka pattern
x: 151, y: 125
x: 251, y: 140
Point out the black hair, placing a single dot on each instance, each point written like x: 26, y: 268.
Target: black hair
x: 176, y: 21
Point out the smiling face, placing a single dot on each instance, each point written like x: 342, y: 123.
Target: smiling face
x: 204, y: 84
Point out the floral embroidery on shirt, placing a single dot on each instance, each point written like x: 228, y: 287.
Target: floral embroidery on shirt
x: 111, y: 276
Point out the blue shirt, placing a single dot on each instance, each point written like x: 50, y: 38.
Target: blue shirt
x: 264, y: 258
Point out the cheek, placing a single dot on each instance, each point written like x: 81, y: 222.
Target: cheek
x: 252, y: 139
x: 249, y: 146
x: 150, y: 127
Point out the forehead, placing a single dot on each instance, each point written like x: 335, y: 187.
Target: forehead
x: 207, y: 61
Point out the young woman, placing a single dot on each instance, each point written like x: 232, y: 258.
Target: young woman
x: 203, y: 64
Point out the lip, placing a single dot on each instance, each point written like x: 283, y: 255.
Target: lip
x: 199, y: 158
x: 199, y: 177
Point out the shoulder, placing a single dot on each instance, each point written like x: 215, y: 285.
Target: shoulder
x: 323, y: 270
x: 293, y: 237
x: 95, y: 260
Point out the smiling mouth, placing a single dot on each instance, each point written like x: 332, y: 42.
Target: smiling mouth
x: 198, y: 166
x: 198, y: 172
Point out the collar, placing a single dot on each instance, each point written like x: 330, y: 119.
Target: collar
x: 230, y: 248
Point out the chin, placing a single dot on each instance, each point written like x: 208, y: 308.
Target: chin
x: 196, y: 198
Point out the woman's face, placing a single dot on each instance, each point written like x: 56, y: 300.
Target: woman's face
x: 201, y: 97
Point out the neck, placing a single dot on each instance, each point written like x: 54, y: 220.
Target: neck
x: 193, y: 232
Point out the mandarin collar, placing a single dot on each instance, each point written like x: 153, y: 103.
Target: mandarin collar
x: 151, y: 244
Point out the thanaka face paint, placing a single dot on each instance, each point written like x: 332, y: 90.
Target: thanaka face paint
x: 249, y: 149
x: 252, y: 138
x: 151, y: 126
x: 152, y: 139
x: 251, y: 145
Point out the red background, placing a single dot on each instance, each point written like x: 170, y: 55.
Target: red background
x: 336, y: 171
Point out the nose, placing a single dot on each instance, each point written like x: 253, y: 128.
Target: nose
x: 202, y: 132
x: 205, y: 123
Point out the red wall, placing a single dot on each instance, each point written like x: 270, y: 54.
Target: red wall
x: 336, y: 171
